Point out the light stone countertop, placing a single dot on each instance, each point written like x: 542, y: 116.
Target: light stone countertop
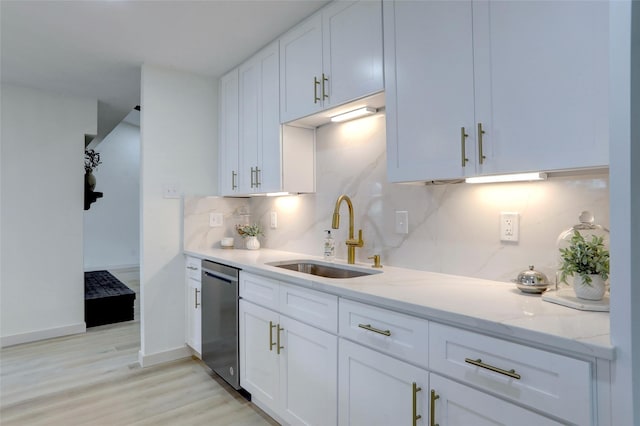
x: 491, y: 307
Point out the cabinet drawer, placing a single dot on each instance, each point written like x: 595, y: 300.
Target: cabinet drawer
x: 193, y: 268
x: 403, y: 336
x: 556, y: 384
x: 309, y: 306
x: 260, y: 290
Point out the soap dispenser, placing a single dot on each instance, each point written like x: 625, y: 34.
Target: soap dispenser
x: 329, y: 247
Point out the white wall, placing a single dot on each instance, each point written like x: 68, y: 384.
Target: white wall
x: 42, y: 282
x: 112, y: 224
x: 178, y: 146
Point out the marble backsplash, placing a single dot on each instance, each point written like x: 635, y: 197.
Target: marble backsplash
x: 453, y: 228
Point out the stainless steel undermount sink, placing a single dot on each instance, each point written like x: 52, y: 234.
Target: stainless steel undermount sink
x: 321, y: 269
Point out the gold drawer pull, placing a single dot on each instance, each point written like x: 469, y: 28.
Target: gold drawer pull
x: 375, y: 330
x: 414, y: 414
x: 463, y: 146
x: 432, y: 414
x: 271, y: 342
x: 481, y: 156
x: 478, y: 363
x: 278, y: 340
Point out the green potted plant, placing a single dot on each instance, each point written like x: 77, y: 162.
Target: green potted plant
x: 250, y: 232
x: 588, y: 262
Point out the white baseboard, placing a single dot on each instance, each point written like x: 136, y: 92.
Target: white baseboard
x: 34, y: 336
x: 164, y: 356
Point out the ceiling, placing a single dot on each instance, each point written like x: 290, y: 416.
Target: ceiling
x: 95, y: 48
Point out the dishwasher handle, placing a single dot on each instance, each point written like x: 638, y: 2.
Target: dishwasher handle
x: 220, y: 275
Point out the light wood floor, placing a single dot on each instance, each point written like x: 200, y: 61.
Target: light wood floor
x: 95, y: 379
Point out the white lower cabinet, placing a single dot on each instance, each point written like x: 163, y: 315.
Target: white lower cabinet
x: 289, y: 367
x: 193, y: 308
x: 311, y: 358
x: 376, y: 389
x: 458, y: 405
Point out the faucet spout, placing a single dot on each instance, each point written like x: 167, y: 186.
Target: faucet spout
x: 351, y: 242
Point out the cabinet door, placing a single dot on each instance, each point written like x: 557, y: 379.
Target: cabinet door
x: 429, y: 90
x: 194, y: 315
x: 459, y: 405
x: 542, y: 84
x: 228, y: 151
x: 270, y: 147
x: 352, y: 50
x: 260, y: 122
x: 309, y: 373
x: 300, y: 64
x: 259, y: 369
x: 375, y: 389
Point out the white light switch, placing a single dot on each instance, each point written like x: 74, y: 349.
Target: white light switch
x: 402, y: 222
x: 509, y: 226
x: 215, y: 220
x: 171, y: 190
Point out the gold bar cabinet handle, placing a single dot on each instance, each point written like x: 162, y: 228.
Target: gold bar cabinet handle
x: 324, y: 93
x: 481, y: 156
x: 316, y: 83
x: 271, y: 343
x: 414, y: 414
x: 257, y: 177
x: 375, y: 330
x: 432, y: 411
x: 252, y: 177
x: 463, y: 146
x: 278, y: 339
x: 233, y: 180
x: 478, y: 363
x: 197, y: 304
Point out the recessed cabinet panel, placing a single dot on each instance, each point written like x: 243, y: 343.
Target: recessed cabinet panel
x: 542, y: 77
x: 459, y: 405
x: 260, y: 290
x: 352, y: 50
x: 400, y: 335
x: 309, y: 367
x: 229, y: 136
x: 376, y: 389
x: 526, y: 375
x: 259, y: 363
x: 301, y: 70
x: 309, y: 306
x: 429, y: 90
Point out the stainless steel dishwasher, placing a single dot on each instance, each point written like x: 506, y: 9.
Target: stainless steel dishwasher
x: 220, y: 320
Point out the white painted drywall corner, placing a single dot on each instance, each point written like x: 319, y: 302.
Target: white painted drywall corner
x: 42, y: 290
x: 178, y: 132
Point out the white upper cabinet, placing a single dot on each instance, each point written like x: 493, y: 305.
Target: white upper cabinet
x: 331, y: 58
x: 542, y: 84
x: 495, y: 87
x: 429, y: 90
x: 260, y: 122
x: 258, y: 155
x: 228, y: 144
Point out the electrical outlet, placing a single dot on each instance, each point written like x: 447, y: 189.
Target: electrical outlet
x: 402, y: 222
x: 274, y: 220
x: 215, y: 220
x: 509, y: 226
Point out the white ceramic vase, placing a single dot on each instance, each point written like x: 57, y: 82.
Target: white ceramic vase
x: 593, y: 291
x: 252, y: 243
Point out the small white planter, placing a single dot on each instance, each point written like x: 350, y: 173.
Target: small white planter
x: 252, y: 243
x: 593, y: 291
